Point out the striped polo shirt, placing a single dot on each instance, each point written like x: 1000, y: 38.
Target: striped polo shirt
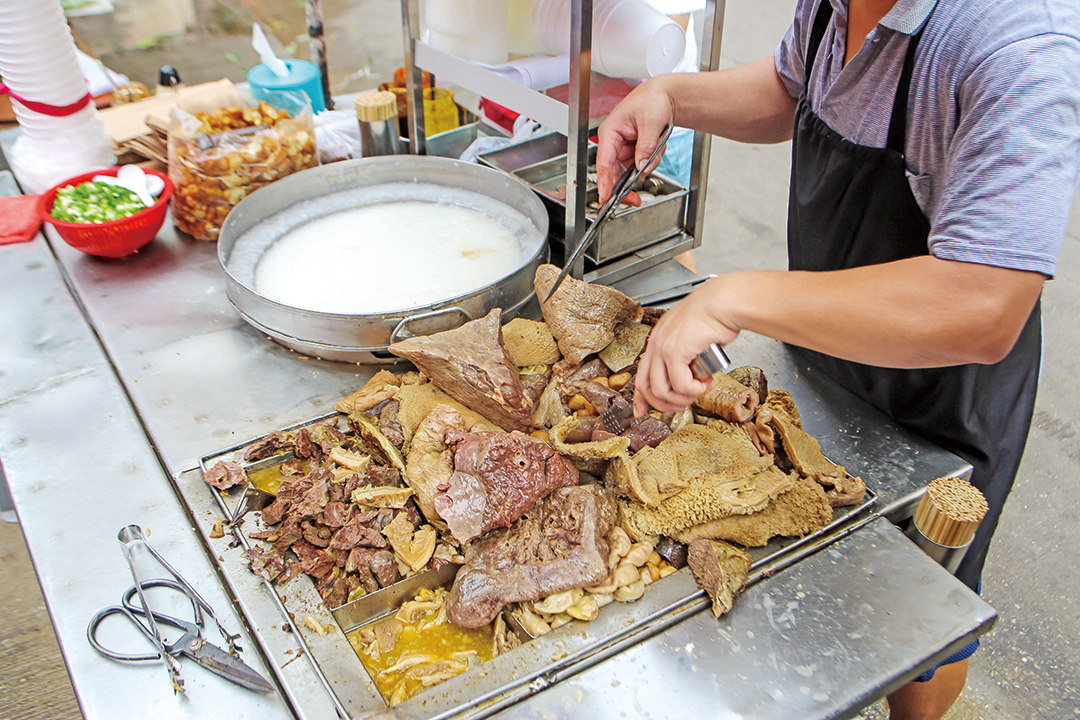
x: 993, y: 133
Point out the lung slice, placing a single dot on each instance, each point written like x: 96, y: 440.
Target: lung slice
x: 497, y: 478
x: 554, y: 547
x: 471, y: 365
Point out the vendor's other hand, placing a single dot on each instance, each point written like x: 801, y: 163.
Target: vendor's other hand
x: 631, y: 132
x: 664, y: 380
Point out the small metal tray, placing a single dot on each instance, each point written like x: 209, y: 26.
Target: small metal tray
x: 541, y: 163
x: 509, y: 678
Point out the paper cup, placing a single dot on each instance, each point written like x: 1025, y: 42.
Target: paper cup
x: 631, y: 39
x: 551, y: 25
x: 470, y: 29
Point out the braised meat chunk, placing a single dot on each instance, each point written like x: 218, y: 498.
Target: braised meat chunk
x: 582, y: 316
x: 497, y: 478
x: 225, y: 474
x: 471, y: 365
x: 556, y: 546
x: 721, y: 570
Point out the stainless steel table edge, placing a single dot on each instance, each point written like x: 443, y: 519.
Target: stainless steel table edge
x: 277, y: 635
x: 760, y: 683
x: 80, y: 467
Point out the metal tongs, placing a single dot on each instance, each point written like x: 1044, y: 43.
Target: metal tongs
x: 626, y: 182
x: 132, y: 534
x: 709, y: 361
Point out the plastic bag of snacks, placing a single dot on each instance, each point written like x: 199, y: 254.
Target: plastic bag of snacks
x: 216, y: 159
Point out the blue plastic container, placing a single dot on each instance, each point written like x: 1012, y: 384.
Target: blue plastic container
x: 303, y: 75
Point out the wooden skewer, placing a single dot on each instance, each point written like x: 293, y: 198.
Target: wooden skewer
x: 950, y: 511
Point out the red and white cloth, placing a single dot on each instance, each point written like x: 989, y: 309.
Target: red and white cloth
x: 19, y: 219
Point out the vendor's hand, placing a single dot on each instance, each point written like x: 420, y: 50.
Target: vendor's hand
x: 630, y: 133
x: 664, y: 380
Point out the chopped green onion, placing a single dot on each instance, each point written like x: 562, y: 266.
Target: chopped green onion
x: 95, y: 202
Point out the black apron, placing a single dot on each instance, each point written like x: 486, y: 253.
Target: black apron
x: 851, y: 205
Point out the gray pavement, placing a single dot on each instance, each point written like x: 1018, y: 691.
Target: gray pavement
x: 1028, y: 666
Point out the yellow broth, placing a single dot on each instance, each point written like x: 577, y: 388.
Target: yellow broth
x: 269, y: 478
x: 431, y: 647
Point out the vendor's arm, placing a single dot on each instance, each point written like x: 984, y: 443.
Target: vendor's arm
x: 919, y: 312
x: 748, y: 103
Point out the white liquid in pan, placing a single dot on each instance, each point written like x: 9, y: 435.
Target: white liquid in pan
x: 390, y: 256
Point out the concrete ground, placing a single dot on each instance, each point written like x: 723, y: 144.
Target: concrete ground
x: 1027, y: 667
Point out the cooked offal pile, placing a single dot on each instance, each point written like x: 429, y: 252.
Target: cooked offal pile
x: 513, y: 451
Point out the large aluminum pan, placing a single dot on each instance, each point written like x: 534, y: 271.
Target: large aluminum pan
x: 364, y: 338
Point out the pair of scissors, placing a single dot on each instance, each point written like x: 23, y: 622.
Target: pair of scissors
x: 191, y: 644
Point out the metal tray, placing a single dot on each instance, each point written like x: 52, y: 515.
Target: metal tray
x: 541, y: 163
x: 537, y: 664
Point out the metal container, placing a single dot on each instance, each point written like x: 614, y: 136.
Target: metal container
x: 364, y: 338
x: 509, y: 678
x: 628, y: 229
x: 948, y: 556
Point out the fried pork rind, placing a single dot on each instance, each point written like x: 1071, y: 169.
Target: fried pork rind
x: 802, y: 510
x: 470, y: 364
x: 382, y: 386
x: 217, y: 159
x: 721, y: 570
x: 530, y: 342
x: 582, y: 316
x: 727, y: 398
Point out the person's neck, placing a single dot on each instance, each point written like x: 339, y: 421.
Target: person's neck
x: 863, y: 16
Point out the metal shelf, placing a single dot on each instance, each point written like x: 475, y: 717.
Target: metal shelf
x: 571, y: 119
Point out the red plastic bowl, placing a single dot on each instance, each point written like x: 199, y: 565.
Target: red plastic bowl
x: 115, y: 238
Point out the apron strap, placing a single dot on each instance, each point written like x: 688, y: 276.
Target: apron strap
x: 821, y: 23
x: 898, y: 122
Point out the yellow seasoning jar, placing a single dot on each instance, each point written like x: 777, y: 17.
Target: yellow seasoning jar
x: 440, y: 111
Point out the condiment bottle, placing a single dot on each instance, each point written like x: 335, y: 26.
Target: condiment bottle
x: 168, y: 80
x: 377, y: 114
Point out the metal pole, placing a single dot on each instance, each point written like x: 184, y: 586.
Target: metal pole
x: 414, y: 78
x: 318, y: 47
x: 709, y: 61
x: 577, y: 139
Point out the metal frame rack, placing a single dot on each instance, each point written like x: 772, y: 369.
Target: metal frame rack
x: 571, y: 119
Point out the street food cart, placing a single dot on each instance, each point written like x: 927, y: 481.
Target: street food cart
x: 118, y: 377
